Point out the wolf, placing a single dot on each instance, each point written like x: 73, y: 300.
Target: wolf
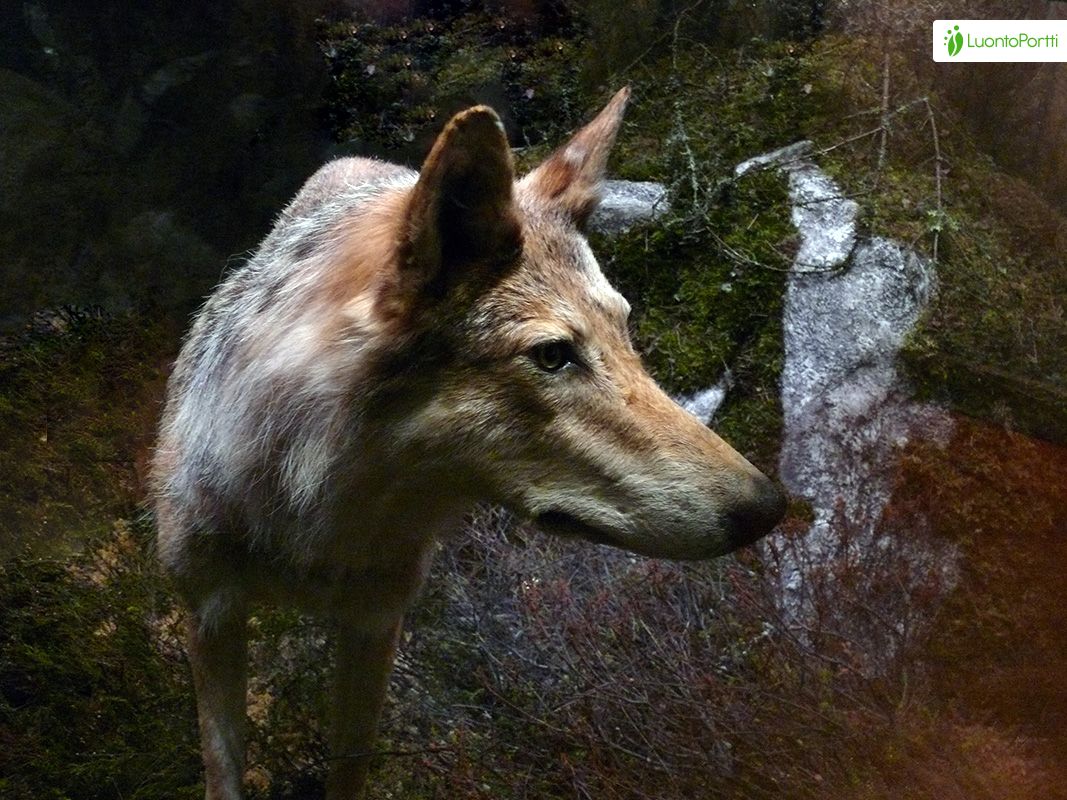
x: 401, y: 347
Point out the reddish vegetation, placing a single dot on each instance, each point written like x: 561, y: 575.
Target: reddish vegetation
x: 1000, y: 655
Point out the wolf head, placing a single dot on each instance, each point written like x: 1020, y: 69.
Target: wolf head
x: 514, y: 379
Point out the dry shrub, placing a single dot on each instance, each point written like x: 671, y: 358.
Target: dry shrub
x: 1001, y: 649
x: 546, y: 668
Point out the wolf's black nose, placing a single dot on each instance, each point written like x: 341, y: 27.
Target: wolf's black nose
x: 755, y: 516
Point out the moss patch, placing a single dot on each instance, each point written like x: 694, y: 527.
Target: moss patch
x: 707, y: 283
x: 77, y: 411
x: 94, y: 699
x: 993, y: 343
x: 94, y: 695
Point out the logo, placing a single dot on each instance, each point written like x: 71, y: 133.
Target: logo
x: 999, y: 40
x: 954, y: 40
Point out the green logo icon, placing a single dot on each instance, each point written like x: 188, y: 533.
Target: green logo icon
x: 954, y: 40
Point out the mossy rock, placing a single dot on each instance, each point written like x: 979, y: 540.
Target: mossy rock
x: 992, y: 343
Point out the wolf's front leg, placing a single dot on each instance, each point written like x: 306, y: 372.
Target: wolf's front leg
x: 364, y: 661
x: 218, y: 653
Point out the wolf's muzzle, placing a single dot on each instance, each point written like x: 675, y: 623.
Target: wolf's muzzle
x: 763, y: 508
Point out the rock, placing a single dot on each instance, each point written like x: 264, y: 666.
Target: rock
x: 706, y: 403
x: 850, y: 303
x: 846, y: 328
x: 625, y: 204
x: 825, y: 219
x: 798, y: 152
x: 846, y: 413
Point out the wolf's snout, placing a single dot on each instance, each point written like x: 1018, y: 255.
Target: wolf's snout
x: 755, y: 515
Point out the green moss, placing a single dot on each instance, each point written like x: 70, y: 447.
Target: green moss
x: 707, y: 282
x: 992, y: 343
x: 76, y: 415
x: 94, y: 698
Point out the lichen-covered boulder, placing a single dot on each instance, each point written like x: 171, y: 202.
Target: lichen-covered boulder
x: 625, y: 204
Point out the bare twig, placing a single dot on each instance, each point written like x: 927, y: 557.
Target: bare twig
x: 679, y: 133
x: 882, y: 147
x: 938, y: 167
x: 738, y: 257
x: 620, y: 74
x: 375, y: 753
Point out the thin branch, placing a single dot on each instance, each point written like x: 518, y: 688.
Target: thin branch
x: 376, y: 753
x: 655, y: 44
x: 679, y: 131
x: 938, y: 169
x: 882, y: 147
x: 738, y: 257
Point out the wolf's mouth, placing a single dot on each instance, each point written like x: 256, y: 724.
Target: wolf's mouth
x: 560, y: 523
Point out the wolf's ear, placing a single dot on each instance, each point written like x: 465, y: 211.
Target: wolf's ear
x: 570, y: 179
x: 461, y: 212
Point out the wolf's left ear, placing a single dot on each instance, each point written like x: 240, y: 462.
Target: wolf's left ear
x: 461, y: 212
x: 570, y: 179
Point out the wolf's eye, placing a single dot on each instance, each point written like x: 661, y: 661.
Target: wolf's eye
x: 553, y: 356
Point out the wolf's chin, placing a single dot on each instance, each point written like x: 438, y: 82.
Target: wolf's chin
x: 560, y: 523
x: 568, y: 526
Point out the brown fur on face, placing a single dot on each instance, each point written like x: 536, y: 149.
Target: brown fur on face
x: 457, y: 384
x: 601, y: 426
